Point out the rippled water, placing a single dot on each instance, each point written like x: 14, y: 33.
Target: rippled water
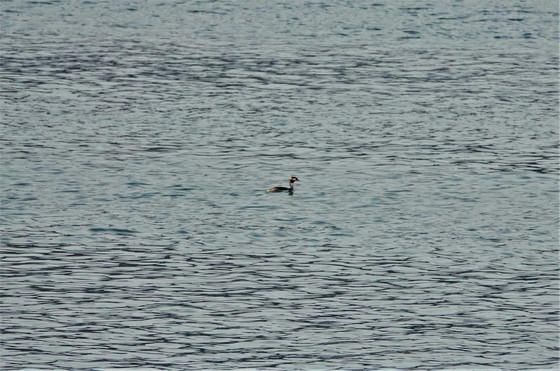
x: 138, y: 139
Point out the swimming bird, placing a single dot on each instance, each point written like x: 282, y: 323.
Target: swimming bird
x: 289, y: 189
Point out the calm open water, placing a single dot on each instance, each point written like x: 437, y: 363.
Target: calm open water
x: 138, y: 137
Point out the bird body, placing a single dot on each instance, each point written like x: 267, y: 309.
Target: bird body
x: 289, y: 189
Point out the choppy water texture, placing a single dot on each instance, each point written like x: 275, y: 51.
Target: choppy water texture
x: 138, y: 139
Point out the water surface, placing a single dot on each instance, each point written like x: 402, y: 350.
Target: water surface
x: 138, y: 140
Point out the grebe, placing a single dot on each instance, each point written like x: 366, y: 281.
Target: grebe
x: 289, y: 189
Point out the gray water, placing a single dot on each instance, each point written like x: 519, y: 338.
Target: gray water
x: 138, y: 139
